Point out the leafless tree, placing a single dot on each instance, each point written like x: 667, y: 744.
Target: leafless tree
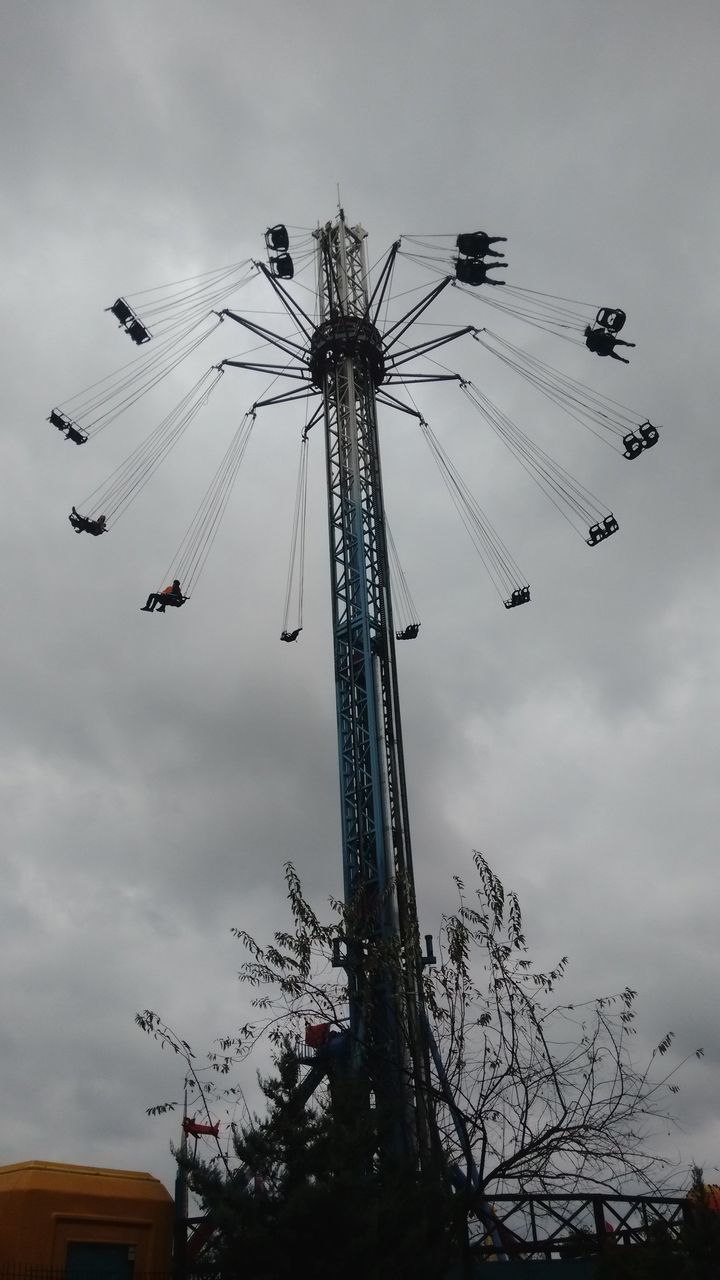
x: 549, y: 1093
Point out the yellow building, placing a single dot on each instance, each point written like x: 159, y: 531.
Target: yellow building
x: 93, y: 1224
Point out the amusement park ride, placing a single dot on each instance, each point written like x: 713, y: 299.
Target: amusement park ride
x: 344, y: 361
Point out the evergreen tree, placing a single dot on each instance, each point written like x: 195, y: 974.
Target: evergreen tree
x: 308, y: 1199
x: 529, y: 1093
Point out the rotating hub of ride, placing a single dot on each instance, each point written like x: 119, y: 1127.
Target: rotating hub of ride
x: 342, y: 338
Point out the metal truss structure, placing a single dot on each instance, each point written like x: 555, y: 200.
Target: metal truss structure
x: 551, y: 1226
x: 527, y: 1227
x: 344, y: 360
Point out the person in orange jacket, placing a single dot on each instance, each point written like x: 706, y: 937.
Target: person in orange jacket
x: 161, y: 599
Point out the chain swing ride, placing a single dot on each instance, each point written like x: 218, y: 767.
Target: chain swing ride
x: 342, y: 364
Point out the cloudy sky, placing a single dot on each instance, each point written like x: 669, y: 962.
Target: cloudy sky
x: 156, y: 772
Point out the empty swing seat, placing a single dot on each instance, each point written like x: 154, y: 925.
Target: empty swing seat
x: 602, y: 530
x: 59, y: 420
x: 649, y: 434
x: 138, y: 332
x: 633, y: 445
x: 277, y: 238
x: 611, y: 319
x: 122, y: 311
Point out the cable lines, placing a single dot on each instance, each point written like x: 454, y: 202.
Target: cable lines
x: 565, y: 317
x: 295, y: 587
x: 112, y: 498
x: 576, y: 503
x: 165, y: 306
x: 403, y: 604
x: 542, y: 311
x: 187, y: 311
x: 98, y: 405
x: 503, y: 570
x: 579, y: 401
x: 189, y: 559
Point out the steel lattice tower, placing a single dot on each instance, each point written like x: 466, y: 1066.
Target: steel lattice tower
x: 379, y: 1071
x: 347, y: 363
x: 344, y: 361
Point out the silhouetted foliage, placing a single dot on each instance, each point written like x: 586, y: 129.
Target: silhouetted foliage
x: 548, y: 1090
x: 307, y: 1199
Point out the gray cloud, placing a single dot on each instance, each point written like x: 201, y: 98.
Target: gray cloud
x: 156, y: 772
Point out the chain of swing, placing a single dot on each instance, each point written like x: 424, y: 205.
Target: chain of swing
x: 179, y: 317
x: 583, y: 511
x: 574, y: 319
x: 595, y: 412
x: 111, y: 499
x: 191, y: 555
x: 187, y: 317
x: 504, y: 572
x: 405, y: 611
x: 292, y: 623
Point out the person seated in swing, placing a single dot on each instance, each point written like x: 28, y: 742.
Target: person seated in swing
x: 84, y: 524
x: 289, y: 636
x: 476, y: 244
x: 161, y: 599
x: 409, y: 632
x: 474, y: 271
x: 603, y: 343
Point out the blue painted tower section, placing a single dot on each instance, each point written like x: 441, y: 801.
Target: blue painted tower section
x: 385, y: 999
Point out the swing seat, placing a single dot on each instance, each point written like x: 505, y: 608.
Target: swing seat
x: 470, y: 271
x: 599, y: 341
x: 76, y: 436
x: 138, y: 332
x: 84, y: 524
x: 521, y: 595
x: 472, y: 243
x: 59, y: 420
x: 408, y: 633
x: 277, y: 238
x: 195, y: 1129
x: 290, y: 636
x: 611, y: 319
x: 633, y: 445
x: 650, y: 435
x: 122, y: 311
x: 602, y: 530
x: 282, y: 267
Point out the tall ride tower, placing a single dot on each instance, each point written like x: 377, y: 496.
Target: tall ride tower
x: 347, y: 364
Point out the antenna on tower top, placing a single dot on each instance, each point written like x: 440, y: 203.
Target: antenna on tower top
x: 341, y: 211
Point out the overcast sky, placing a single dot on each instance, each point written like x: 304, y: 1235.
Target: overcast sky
x: 157, y: 771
